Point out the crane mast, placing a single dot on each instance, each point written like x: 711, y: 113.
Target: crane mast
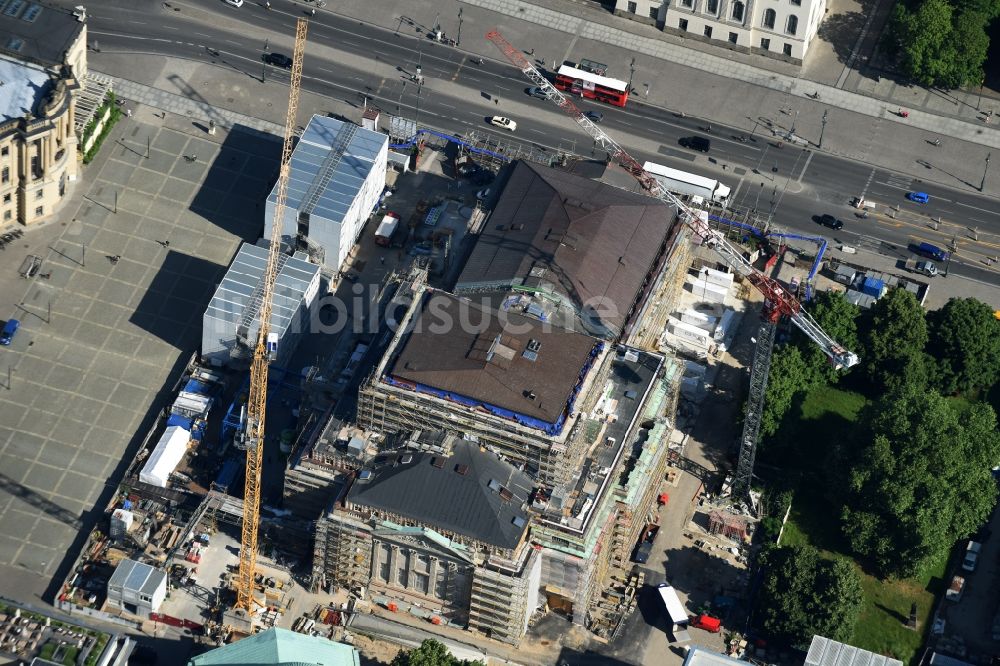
x: 778, y: 301
x: 257, y: 402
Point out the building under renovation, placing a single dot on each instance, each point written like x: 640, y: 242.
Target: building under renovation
x: 337, y: 176
x: 569, y: 250
x: 232, y: 319
x: 442, y: 532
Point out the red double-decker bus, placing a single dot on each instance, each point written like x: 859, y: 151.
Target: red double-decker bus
x: 592, y: 86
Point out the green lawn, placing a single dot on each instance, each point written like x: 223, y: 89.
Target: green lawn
x: 826, y: 415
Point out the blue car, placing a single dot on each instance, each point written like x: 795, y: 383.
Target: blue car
x: 918, y: 197
x: 9, y: 330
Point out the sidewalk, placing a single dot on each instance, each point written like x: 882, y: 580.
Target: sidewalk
x: 691, y: 77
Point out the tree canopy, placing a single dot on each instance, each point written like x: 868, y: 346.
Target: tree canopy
x: 894, y: 341
x: 789, y: 376
x: 965, y: 339
x: 923, y: 482
x: 839, y: 318
x: 803, y: 594
x: 430, y: 653
x: 941, y: 43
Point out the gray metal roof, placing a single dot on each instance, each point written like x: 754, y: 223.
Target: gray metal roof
x: 471, y: 492
x: 593, y: 243
x: 827, y: 652
x: 329, y: 165
x: 243, y: 277
x: 137, y: 577
x: 24, y: 87
x: 37, y: 31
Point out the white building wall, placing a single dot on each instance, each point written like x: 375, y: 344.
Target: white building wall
x: 795, y: 22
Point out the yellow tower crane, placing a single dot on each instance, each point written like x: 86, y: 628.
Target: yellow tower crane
x: 257, y: 402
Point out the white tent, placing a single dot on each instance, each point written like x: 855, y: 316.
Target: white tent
x: 165, y: 457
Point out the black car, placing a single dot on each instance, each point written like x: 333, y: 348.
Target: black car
x: 278, y: 60
x: 594, y: 116
x: 699, y: 143
x: 830, y: 221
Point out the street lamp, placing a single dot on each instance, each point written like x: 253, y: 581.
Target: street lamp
x: 795, y: 119
x: 458, y: 40
x: 822, y: 130
x: 631, y: 74
x: 983, y: 183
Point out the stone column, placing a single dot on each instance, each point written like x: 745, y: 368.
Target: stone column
x: 432, y: 578
x: 393, y: 557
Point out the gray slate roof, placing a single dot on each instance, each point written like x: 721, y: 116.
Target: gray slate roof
x: 351, y: 164
x: 591, y: 241
x: 471, y: 492
x: 36, y: 31
x: 24, y: 86
x: 454, y: 357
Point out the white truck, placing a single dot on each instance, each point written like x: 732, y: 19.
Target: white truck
x: 923, y: 267
x: 688, y: 184
x: 383, y: 235
x: 675, y: 612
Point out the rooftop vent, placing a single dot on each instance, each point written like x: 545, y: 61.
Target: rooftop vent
x: 437, y: 461
x: 506, y: 495
x: 518, y: 521
x: 406, y: 458
x: 462, y: 469
x: 516, y: 227
x: 494, y: 485
x: 365, y: 475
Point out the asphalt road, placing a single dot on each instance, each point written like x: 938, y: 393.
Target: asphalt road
x: 801, y: 183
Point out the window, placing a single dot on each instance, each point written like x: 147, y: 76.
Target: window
x: 631, y: 8
x: 36, y: 168
x: 683, y: 24
x: 792, y: 25
x: 38, y: 211
x: 5, y: 151
x: 6, y: 215
x: 797, y: 3
x: 769, y: 18
x: 6, y: 198
x: 765, y: 44
x: 708, y: 31
x: 787, y: 50
x: 654, y: 13
x: 733, y: 37
x: 40, y: 193
x: 687, y: 3
x: 712, y: 7
x: 5, y: 175
x: 738, y: 9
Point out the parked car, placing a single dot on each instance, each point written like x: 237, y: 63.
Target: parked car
x: 932, y: 251
x: 503, y: 123
x: 535, y: 91
x: 278, y: 60
x: 9, y: 331
x: 956, y: 589
x: 594, y: 116
x: 699, y: 143
x: 828, y: 220
x: 918, y: 197
x: 971, y: 556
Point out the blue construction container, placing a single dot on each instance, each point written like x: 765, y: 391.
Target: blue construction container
x: 873, y: 287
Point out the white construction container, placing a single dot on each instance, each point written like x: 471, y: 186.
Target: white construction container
x: 165, y: 457
x: 121, y: 523
x: 690, y: 333
x: 708, y: 292
x: 699, y: 319
x: 720, y: 278
x: 726, y: 323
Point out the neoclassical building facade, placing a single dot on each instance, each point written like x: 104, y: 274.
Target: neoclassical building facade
x: 779, y: 28
x: 43, y: 60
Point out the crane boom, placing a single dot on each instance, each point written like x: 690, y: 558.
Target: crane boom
x: 778, y: 301
x: 257, y: 402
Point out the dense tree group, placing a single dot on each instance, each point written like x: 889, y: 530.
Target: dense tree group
x: 941, y: 42
x: 430, y: 653
x: 803, y: 594
x: 915, y: 475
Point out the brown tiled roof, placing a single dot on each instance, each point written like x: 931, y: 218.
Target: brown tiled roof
x: 588, y: 239
x: 486, y: 359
